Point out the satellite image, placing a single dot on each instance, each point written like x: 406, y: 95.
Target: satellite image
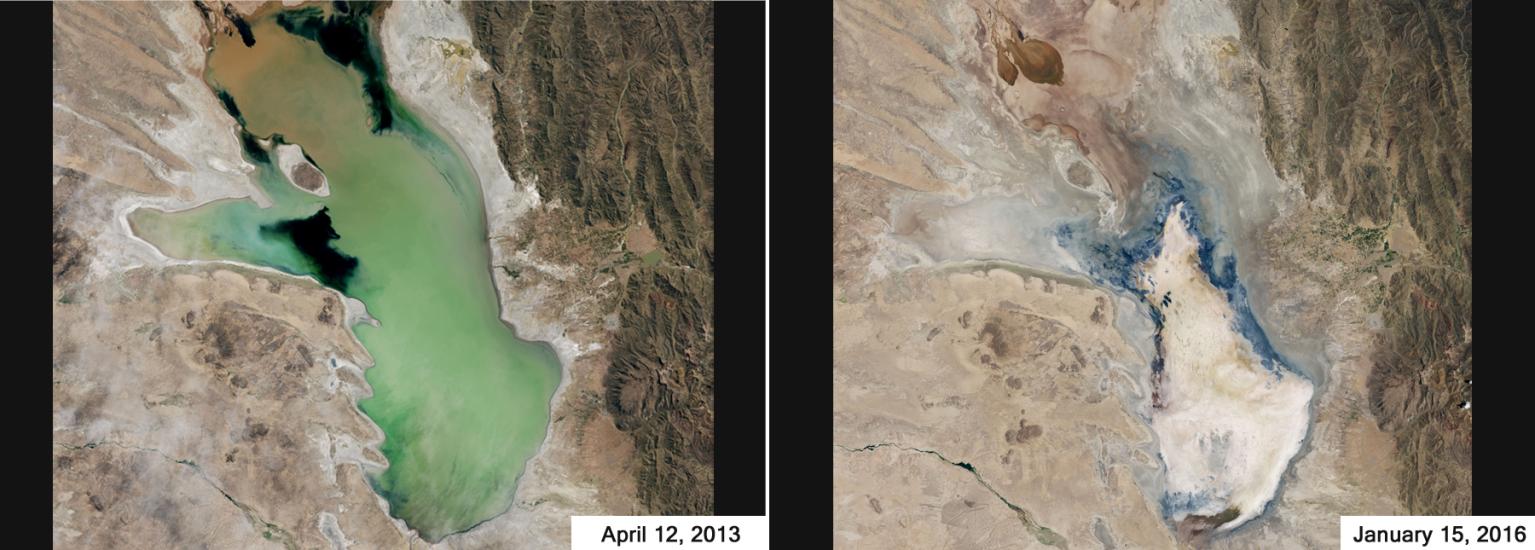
x: 369, y: 275
x: 1148, y: 273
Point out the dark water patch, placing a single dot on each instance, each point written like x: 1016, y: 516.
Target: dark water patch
x: 207, y: 13
x: 279, y: 139
x: 240, y: 25
x: 312, y: 237
x: 311, y: 161
x: 254, y: 151
x: 229, y: 105
x: 345, y: 37
x: 1114, y: 260
x: 1221, y: 270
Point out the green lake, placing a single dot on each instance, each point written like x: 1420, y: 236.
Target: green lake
x: 462, y: 401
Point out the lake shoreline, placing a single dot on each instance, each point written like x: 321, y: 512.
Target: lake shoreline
x: 430, y: 142
x: 413, y: 68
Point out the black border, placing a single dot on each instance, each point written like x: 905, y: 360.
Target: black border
x: 739, y: 467
x: 800, y: 263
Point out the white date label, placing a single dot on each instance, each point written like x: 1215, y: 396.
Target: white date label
x: 653, y: 532
x: 1405, y: 532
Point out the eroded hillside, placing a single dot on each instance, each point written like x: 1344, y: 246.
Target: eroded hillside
x: 609, y: 110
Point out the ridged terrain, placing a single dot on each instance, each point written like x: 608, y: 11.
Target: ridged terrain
x: 609, y: 110
x: 1369, y: 104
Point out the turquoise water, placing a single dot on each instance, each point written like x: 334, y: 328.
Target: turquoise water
x: 462, y: 401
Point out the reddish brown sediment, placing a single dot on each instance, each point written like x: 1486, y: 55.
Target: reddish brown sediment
x: 1005, y: 67
x: 1038, y: 123
x: 1038, y: 60
x: 1195, y: 530
x: 306, y: 177
x: 1087, y: 108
